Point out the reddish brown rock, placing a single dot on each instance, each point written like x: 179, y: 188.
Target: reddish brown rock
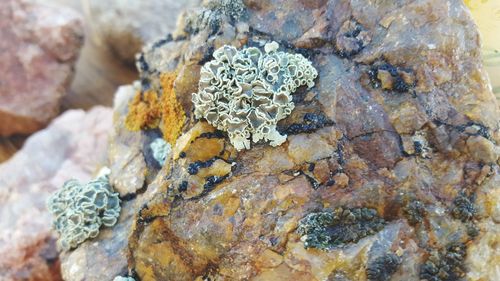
x: 390, y: 170
x: 72, y: 146
x: 40, y: 44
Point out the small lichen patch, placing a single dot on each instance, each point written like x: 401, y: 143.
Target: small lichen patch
x: 381, y: 268
x: 149, y: 110
x: 445, y: 265
x: 325, y: 230
x: 246, y: 92
x: 144, y: 111
x: 172, y: 114
x: 161, y: 149
x: 79, y: 210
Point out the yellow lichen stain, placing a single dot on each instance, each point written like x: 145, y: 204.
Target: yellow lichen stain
x: 173, y: 116
x: 150, y: 110
x: 144, y: 111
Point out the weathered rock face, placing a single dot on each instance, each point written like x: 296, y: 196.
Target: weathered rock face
x: 390, y: 170
x: 127, y: 25
x: 71, y: 147
x: 40, y: 44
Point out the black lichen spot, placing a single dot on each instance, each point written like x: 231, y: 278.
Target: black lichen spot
x: 163, y: 41
x: 195, y: 167
x: 445, y: 265
x: 463, y: 207
x: 475, y: 129
x: 182, y: 154
x: 183, y: 186
x: 312, y: 122
x: 388, y: 77
x: 381, y: 268
x: 210, y: 183
x: 414, y: 212
x: 314, y: 183
x: 327, y: 229
x: 212, y: 135
x: 311, y: 167
x: 351, y: 39
x: 142, y: 65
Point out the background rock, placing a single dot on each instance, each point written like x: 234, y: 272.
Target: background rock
x: 72, y: 146
x: 40, y: 44
x: 128, y: 25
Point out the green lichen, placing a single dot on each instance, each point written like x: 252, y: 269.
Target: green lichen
x: 446, y: 264
x: 381, y: 268
x: 328, y: 229
x: 463, y: 207
x: 161, y: 149
x: 414, y: 212
x: 79, y: 210
x: 246, y: 92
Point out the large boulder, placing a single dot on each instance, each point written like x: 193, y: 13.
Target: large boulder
x: 40, y: 44
x: 73, y: 146
x: 389, y: 172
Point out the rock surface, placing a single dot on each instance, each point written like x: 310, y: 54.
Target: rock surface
x: 397, y: 143
x: 40, y: 44
x: 127, y: 25
x: 72, y: 146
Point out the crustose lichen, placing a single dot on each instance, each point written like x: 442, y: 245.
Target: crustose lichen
x: 79, y: 210
x: 328, y: 229
x: 247, y: 92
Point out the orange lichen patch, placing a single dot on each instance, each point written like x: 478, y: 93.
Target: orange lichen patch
x: 149, y: 110
x: 173, y: 115
x: 144, y: 111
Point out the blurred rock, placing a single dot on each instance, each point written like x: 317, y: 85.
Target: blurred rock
x: 40, y: 44
x: 72, y: 146
x: 127, y: 25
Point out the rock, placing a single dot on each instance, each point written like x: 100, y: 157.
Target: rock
x: 40, y: 44
x: 398, y: 169
x: 127, y: 25
x: 72, y: 146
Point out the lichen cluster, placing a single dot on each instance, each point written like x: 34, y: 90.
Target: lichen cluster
x: 325, y: 230
x: 215, y: 12
x: 79, y: 210
x: 445, y: 265
x: 246, y: 92
x: 151, y: 109
x: 381, y: 268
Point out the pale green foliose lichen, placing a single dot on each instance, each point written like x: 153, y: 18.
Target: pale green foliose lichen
x: 79, y: 210
x: 246, y: 92
x: 161, y: 149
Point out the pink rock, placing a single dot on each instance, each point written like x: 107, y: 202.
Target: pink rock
x: 39, y: 46
x: 73, y: 146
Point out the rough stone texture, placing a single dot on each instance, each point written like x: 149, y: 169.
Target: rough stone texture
x: 40, y: 44
x: 71, y: 147
x: 401, y: 121
x: 127, y: 25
